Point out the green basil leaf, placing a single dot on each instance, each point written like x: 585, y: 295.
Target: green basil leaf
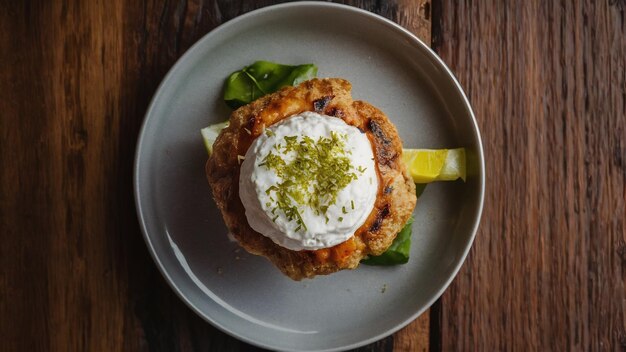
x: 419, y: 188
x: 261, y: 78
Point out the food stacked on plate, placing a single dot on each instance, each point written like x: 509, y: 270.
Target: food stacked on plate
x: 311, y: 179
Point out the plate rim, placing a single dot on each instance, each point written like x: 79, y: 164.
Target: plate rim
x: 349, y: 10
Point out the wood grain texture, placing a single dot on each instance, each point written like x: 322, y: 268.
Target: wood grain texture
x: 547, y: 80
x: 75, y: 80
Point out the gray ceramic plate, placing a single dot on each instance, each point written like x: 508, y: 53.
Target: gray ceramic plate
x: 245, y: 295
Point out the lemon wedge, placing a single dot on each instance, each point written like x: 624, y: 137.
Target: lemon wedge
x: 209, y: 135
x: 454, y: 166
x: 424, y: 165
x: 428, y: 165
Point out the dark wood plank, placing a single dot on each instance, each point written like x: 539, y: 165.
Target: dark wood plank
x: 75, y: 80
x: 547, y: 81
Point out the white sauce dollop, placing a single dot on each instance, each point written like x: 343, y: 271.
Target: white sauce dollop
x: 343, y: 221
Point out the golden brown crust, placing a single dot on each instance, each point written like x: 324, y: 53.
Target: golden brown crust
x: 396, y: 194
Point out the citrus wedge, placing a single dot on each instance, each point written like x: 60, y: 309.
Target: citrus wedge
x: 454, y: 167
x: 209, y: 135
x: 428, y: 165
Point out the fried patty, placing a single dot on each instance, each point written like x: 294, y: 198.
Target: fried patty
x: 395, y: 200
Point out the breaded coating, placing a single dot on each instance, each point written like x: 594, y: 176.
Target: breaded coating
x: 395, y: 200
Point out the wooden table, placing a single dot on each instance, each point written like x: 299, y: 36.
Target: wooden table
x: 547, y: 80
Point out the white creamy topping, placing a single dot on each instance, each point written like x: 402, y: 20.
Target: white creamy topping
x: 341, y: 219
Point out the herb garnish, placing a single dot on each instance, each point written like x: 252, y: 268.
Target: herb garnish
x: 313, y: 177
